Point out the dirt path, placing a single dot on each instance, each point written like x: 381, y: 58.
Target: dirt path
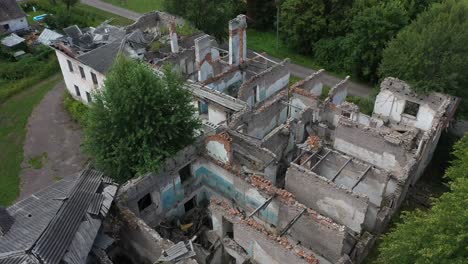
x: 112, y: 9
x: 52, y: 144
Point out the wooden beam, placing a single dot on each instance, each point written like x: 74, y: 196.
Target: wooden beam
x: 264, y: 205
x: 363, y: 175
x: 320, y: 160
x: 290, y: 224
x: 342, y: 167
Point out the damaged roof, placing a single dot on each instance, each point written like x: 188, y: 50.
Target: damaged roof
x: 102, y: 58
x: 9, y: 10
x: 54, y: 224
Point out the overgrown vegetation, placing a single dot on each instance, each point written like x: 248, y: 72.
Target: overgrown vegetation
x: 77, y: 110
x: 28, y: 70
x: 37, y: 162
x: 210, y: 16
x: 14, y: 114
x: 431, y: 53
x: 138, y: 120
x: 438, y: 235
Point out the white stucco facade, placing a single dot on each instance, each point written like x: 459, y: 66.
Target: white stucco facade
x: 74, y: 80
x: 387, y: 104
x: 14, y: 24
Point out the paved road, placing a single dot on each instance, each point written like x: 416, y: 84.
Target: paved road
x: 52, y: 134
x: 112, y: 9
x: 297, y: 70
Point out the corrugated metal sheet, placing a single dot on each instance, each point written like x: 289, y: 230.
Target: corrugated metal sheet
x: 96, y: 202
x: 56, y: 239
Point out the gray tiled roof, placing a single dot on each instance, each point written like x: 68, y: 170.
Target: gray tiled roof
x: 55, y: 221
x: 102, y: 58
x: 9, y: 10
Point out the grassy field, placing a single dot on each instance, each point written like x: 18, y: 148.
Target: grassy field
x: 140, y: 6
x: 94, y: 16
x: 14, y: 114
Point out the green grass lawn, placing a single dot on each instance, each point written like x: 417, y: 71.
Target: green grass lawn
x: 14, y: 114
x: 101, y: 15
x: 94, y: 16
x: 140, y: 6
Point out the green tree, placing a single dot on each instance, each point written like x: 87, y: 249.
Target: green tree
x: 360, y: 51
x: 70, y: 3
x: 138, y: 120
x: 439, y: 235
x: 211, y: 16
x: 262, y: 13
x: 431, y: 53
x: 304, y: 22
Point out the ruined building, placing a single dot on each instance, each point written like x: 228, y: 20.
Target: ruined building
x: 280, y: 174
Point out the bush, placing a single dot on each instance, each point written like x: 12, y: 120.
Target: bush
x: 77, y: 110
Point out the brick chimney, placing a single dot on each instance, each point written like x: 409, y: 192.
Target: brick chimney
x: 173, y: 37
x: 6, y: 221
x: 237, y: 40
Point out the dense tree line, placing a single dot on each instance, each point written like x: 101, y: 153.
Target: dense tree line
x: 210, y: 16
x: 439, y: 235
x: 432, y: 52
x: 347, y: 36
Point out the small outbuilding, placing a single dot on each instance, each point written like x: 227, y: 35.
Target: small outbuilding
x: 12, y: 17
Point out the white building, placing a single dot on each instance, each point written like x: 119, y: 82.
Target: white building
x: 12, y: 17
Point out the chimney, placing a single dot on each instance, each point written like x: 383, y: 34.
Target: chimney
x: 6, y: 221
x: 237, y: 40
x: 203, y: 57
x: 173, y: 37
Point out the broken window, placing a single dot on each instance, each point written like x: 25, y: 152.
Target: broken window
x: 190, y: 204
x: 255, y: 95
x: 93, y: 76
x: 82, y: 72
x: 6, y: 27
x: 346, y: 114
x: 88, y: 96
x: 77, y: 91
x: 144, y: 202
x: 70, y: 66
x: 185, y: 173
x: 228, y: 228
x: 411, y: 108
x: 202, y: 107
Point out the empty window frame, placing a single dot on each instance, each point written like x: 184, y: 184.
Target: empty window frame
x: 70, y: 65
x: 88, y: 97
x: 185, y: 173
x: 411, y: 108
x: 82, y: 72
x: 144, y: 202
x: 255, y: 95
x: 190, y: 204
x: 93, y: 76
x: 77, y: 91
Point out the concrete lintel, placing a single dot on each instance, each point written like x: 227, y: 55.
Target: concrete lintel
x: 341, y: 169
x: 363, y: 175
x: 320, y: 160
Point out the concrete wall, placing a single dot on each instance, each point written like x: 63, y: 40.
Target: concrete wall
x: 216, y: 115
x: 326, y: 239
x: 265, y: 84
x: 15, y: 24
x: 370, y: 147
x: 327, y: 198
x: 389, y: 105
x: 74, y: 78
